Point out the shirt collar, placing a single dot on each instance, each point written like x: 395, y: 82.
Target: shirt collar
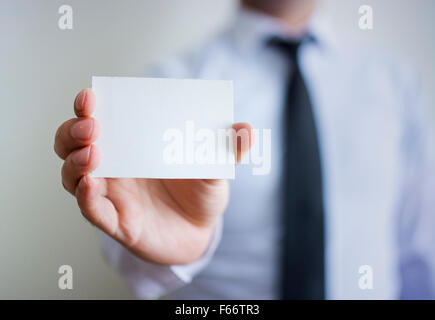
x: 251, y: 29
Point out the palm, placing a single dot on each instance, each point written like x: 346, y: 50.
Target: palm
x: 164, y: 221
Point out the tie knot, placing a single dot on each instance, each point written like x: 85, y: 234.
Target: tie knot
x: 289, y: 47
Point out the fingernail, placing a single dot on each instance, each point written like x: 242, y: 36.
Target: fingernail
x: 81, y: 158
x: 84, y: 96
x: 82, y: 130
x: 78, y: 103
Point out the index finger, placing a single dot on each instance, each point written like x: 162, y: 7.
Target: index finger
x: 84, y: 104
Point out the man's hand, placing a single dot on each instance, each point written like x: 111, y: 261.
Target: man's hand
x: 161, y: 221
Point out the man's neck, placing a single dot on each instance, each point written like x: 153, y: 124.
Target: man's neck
x: 294, y: 15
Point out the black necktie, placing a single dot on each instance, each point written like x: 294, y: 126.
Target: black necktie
x: 303, y: 249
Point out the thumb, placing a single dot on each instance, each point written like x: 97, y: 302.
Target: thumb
x: 243, y: 140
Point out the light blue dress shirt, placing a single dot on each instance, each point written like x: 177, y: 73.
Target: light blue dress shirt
x: 378, y: 195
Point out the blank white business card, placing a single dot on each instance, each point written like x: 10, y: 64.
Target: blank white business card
x: 164, y: 128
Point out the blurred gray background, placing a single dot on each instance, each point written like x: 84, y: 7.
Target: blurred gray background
x: 41, y: 70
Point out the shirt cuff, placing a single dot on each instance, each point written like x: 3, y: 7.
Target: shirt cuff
x: 152, y: 281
